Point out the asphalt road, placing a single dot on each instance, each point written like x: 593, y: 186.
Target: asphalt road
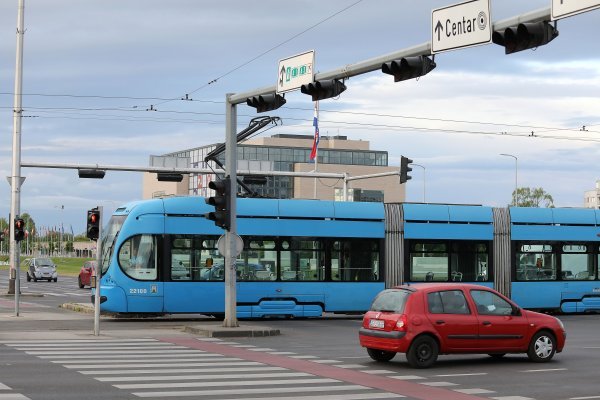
x: 51, y: 353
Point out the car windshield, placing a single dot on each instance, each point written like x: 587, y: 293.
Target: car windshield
x: 392, y: 300
x: 44, y: 262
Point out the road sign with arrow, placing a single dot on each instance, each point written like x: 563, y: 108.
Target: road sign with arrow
x: 461, y: 25
x: 566, y: 8
x: 295, y: 71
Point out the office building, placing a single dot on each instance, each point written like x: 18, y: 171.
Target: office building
x: 282, y: 152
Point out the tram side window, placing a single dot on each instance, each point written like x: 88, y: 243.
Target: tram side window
x: 468, y: 261
x: 302, y: 260
x: 428, y: 262
x: 576, y: 264
x: 355, y: 260
x: 195, y: 258
x: 138, y: 258
x: 258, y: 261
x: 535, y: 262
x: 209, y: 264
x: 181, y: 259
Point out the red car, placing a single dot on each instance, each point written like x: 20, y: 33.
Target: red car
x: 88, y: 270
x: 424, y: 320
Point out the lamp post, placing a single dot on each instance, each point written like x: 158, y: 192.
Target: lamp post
x: 516, y: 173
x: 62, y: 228
x: 419, y: 165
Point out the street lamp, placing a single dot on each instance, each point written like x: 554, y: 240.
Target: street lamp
x: 419, y: 165
x: 516, y: 173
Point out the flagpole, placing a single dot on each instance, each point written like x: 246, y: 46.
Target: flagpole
x: 316, y: 146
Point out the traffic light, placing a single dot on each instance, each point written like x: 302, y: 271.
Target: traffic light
x: 169, y: 177
x: 93, y: 224
x: 255, y: 179
x: 19, y: 229
x: 222, y: 203
x: 266, y: 102
x: 91, y: 173
x: 408, y: 67
x: 405, y: 169
x: 321, y: 90
x: 525, y: 36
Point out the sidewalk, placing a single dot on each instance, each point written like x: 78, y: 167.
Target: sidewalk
x: 55, y: 323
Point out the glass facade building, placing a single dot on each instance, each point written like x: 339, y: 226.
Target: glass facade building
x: 283, y: 158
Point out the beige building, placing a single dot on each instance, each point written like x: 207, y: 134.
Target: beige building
x: 291, y: 153
x: 591, y: 198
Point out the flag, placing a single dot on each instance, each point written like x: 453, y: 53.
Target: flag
x: 313, y: 152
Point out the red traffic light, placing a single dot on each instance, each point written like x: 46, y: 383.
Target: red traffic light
x: 19, y: 229
x: 93, y: 224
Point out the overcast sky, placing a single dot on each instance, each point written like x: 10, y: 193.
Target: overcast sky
x: 92, y: 68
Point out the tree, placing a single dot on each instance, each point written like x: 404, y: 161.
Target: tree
x: 531, y: 197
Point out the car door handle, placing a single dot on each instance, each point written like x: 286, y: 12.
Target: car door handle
x: 440, y: 322
x: 486, y: 323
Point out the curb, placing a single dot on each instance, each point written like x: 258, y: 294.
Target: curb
x: 215, y: 331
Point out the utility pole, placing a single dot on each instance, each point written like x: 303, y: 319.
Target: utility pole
x: 230, y: 320
x: 15, y: 187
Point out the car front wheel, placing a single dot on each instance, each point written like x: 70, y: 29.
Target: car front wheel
x: 81, y: 285
x: 423, y: 352
x: 28, y: 277
x: 380, y: 355
x: 542, y: 347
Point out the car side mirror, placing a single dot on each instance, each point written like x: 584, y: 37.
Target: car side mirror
x: 516, y: 311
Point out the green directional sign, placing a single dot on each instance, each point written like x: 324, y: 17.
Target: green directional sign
x: 295, y: 71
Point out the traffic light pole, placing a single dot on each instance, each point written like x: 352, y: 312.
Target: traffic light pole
x: 98, y: 271
x: 14, y: 281
x: 230, y: 320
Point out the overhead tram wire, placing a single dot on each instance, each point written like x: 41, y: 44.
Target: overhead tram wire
x: 345, y: 124
x: 537, y: 129
x: 262, y: 54
x: 106, y: 97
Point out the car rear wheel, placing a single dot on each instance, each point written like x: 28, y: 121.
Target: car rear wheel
x: 423, y: 352
x: 28, y: 277
x: 542, y: 347
x: 380, y: 355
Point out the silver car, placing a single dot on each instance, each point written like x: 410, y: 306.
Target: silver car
x: 41, y: 268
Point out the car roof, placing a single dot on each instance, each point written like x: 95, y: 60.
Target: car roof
x: 439, y: 286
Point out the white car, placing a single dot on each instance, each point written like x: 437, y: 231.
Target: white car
x: 41, y: 268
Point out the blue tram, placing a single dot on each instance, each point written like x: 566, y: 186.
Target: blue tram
x: 306, y: 257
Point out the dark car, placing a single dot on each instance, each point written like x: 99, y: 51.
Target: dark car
x: 424, y: 320
x: 88, y: 270
x: 41, y: 268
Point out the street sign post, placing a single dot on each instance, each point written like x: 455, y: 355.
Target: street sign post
x: 295, y: 71
x: 461, y: 25
x: 567, y: 8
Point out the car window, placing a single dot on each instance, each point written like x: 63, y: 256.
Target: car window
x: 489, y: 303
x: 44, y: 262
x: 447, y: 302
x: 391, y: 300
